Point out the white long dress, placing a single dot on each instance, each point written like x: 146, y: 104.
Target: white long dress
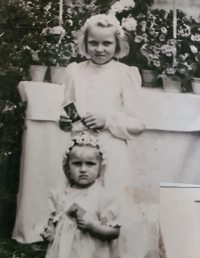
x: 113, y: 90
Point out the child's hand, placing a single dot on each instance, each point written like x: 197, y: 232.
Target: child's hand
x: 48, y: 234
x: 65, y: 123
x: 85, y: 222
x: 94, y: 121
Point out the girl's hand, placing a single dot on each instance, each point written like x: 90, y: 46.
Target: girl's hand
x: 48, y: 234
x: 65, y: 123
x: 85, y: 223
x: 94, y: 121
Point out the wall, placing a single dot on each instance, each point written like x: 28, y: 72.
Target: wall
x: 190, y: 7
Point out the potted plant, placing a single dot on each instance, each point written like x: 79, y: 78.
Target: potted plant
x: 196, y: 78
x: 33, y: 47
x: 169, y: 57
x: 178, y: 66
x: 131, y: 15
x: 151, y: 33
x: 59, y: 44
x: 193, y: 43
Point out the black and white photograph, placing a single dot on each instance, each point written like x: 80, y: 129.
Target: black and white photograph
x: 99, y: 128
x: 72, y: 113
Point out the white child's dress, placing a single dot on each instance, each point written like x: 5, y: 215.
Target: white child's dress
x: 113, y: 89
x: 69, y: 241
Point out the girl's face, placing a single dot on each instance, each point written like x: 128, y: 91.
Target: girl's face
x: 101, y: 44
x: 84, y: 165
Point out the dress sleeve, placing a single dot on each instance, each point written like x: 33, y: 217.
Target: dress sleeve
x: 55, y: 211
x: 128, y: 121
x: 109, y: 211
x: 69, y: 93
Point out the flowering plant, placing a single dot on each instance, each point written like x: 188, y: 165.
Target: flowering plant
x: 154, y: 37
x: 54, y: 41
x: 190, y: 34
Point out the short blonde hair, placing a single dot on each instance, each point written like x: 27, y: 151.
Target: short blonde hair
x: 104, y: 21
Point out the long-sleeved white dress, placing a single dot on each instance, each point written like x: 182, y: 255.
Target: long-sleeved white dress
x: 113, y: 89
x: 68, y: 240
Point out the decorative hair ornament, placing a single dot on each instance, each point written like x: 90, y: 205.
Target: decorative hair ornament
x: 104, y: 20
x: 85, y: 139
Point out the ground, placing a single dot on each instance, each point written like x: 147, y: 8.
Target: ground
x: 11, y: 249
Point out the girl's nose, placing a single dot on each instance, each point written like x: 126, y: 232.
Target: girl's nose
x: 83, y: 169
x: 99, y: 48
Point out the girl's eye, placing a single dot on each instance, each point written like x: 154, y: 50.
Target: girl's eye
x: 90, y: 163
x: 107, y: 43
x: 76, y: 163
x: 92, y: 43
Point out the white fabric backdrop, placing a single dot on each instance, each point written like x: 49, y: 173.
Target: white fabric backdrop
x: 169, y: 154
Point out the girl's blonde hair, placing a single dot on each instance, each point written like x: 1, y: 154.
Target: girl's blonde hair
x: 104, y: 21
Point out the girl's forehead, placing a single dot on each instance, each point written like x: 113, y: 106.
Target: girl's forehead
x: 84, y: 152
x: 99, y: 31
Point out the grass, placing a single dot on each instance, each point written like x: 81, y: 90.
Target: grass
x: 12, y: 249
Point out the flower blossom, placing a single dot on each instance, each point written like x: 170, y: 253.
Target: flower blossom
x: 195, y: 37
x: 156, y: 63
x: 122, y: 5
x: 138, y: 39
x: 57, y: 30
x: 129, y: 23
x: 162, y: 38
x: 164, y: 30
x: 193, y: 49
x: 170, y: 70
x: 143, y: 25
x: 9, y: 108
x: 47, y: 7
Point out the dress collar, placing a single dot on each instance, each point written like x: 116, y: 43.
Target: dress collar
x: 103, y: 66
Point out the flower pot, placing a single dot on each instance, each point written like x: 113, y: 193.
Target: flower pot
x: 196, y: 85
x: 170, y: 85
x: 37, y: 72
x: 58, y: 74
x: 149, y: 78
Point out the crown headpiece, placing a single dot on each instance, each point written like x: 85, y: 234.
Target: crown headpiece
x: 88, y: 140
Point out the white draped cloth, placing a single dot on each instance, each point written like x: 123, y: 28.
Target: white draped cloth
x: 41, y: 161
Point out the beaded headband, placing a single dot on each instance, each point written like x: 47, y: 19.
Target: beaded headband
x: 87, y: 140
x: 105, y: 20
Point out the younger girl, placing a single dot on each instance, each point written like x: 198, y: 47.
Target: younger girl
x: 84, y: 218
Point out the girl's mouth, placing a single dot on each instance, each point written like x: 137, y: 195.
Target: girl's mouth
x: 83, y: 176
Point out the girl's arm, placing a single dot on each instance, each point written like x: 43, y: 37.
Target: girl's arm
x: 128, y: 122
x: 49, y: 231
x: 96, y: 229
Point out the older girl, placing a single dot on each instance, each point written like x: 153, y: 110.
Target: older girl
x: 106, y: 94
